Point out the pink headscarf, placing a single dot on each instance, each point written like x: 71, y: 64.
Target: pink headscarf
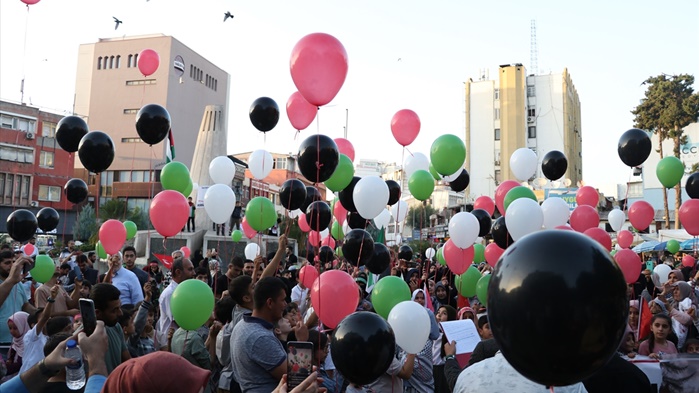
x: 464, y: 310
x: 20, y: 320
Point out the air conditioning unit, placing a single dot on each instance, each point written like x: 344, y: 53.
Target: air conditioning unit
x: 531, y: 119
x: 30, y: 135
x: 34, y: 204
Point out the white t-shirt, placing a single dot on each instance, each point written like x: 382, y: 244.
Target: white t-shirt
x: 299, y: 297
x: 33, y: 349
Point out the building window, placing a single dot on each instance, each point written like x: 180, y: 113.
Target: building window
x: 135, y: 60
x: 498, y: 177
x: 531, y: 133
x: 124, y: 176
x: 48, y: 129
x: 497, y: 134
x: 216, y: 85
x: 128, y: 65
x: 118, y: 61
x: 14, y: 189
x: 131, y: 111
x: 99, y: 63
x: 17, y: 154
x: 46, y: 159
x: 137, y: 176
x: 531, y: 91
x: 635, y: 190
x: 191, y: 71
x: 140, y: 82
x: 49, y: 193
x: 531, y: 112
x: 280, y: 163
x: 131, y: 140
x: 17, y: 123
x: 497, y: 94
x: 106, y: 62
x: 496, y: 113
x: 111, y: 62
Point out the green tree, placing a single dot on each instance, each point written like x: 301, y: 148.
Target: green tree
x: 86, y: 224
x: 419, y: 216
x: 670, y: 104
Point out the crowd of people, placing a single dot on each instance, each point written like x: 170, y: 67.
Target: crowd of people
x: 261, y: 305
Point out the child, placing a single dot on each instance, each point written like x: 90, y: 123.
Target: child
x: 135, y: 325
x: 282, y: 329
x: 35, y: 339
x: 627, y: 349
x: 658, y: 345
x: 691, y: 346
x: 444, y: 313
x: 484, y: 328
x: 18, y: 326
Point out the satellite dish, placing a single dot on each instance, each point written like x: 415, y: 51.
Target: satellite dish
x: 567, y: 182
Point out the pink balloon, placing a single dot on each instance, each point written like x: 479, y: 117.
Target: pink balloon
x: 339, y: 212
x: 314, y: 238
x: 587, y: 195
x: 186, y: 251
x: 641, y: 214
x: 583, y: 218
x: 300, y: 112
x: 148, y: 61
x: 405, y: 126
x: 308, y: 275
x: 601, y: 236
x: 493, y: 252
x: 247, y: 229
x: 689, y: 216
x: 112, y: 236
x: 30, y: 2
x: 318, y: 67
x: 303, y: 224
x: 486, y: 203
x: 334, y: 296
x: 688, y: 261
x: 28, y: 249
x: 630, y: 264
x: 345, y: 147
x: 564, y: 228
x: 500, y: 193
x: 328, y: 241
x: 169, y: 212
x: 624, y: 238
x: 458, y: 259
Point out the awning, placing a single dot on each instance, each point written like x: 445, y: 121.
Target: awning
x: 646, y: 246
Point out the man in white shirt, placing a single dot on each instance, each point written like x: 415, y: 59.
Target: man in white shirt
x: 299, y: 295
x: 68, y: 255
x: 125, y: 281
x: 182, y: 269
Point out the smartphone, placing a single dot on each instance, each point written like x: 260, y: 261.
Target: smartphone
x: 87, y: 314
x: 299, y: 362
x: 28, y: 266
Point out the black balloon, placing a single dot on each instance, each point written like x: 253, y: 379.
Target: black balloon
x: 565, y: 286
x: 292, y: 194
x: 500, y: 234
x: 326, y: 254
x: 346, y: 196
x: 356, y: 221
x: 47, y: 219
x: 358, y: 247
x: 380, y: 259
x: 312, y: 195
x: 634, y: 147
x: 69, y: 131
x: 484, y: 221
x: 21, y: 225
x: 692, y: 185
x: 264, y: 113
x: 153, y: 123
x: 75, y: 190
x: 393, y: 192
x: 96, y: 151
x: 363, y: 346
x: 405, y: 252
x: 554, y: 165
x: 318, y: 158
x: 318, y: 216
x: 461, y: 182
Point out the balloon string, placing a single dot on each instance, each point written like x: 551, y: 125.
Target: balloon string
x: 150, y: 197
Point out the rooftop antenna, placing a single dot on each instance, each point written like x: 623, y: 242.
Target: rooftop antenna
x: 533, y: 51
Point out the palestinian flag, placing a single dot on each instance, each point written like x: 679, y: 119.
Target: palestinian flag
x: 169, y: 147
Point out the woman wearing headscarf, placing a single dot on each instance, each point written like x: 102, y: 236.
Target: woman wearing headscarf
x: 148, y: 374
x: 683, y: 300
x: 422, y: 378
x: 441, y: 297
x: 18, y: 326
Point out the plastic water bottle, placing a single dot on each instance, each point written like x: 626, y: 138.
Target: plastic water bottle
x: 75, y: 373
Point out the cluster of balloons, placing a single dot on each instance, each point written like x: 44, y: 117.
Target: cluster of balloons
x: 22, y: 224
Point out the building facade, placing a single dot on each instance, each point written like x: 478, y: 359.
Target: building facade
x: 540, y: 112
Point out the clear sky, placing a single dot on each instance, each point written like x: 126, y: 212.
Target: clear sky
x: 609, y: 47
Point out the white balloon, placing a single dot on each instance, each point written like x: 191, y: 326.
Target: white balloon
x: 556, y: 212
x: 616, y: 218
x: 222, y: 170
x: 411, y: 325
x: 524, y: 216
x: 260, y: 163
x: 660, y: 275
x: 345, y: 227
x: 295, y: 213
x: 416, y: 162
x: 370, y: 196
x: 523, y: 163
x: 324, y: 233
x: 399, y: 211
x: 430, y: 253
x: 463, y: 229
x: 252, y: 250
x: 219, y: 202
x: 383, y: 219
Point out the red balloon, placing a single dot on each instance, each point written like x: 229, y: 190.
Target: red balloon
x: 486, y: 203
x: 314, y: 238
x: 318, y: 67
x: 601, y: 236
x: 564, y: 228
x: 303, y: 224
x: 300, y: 112
x: 340, y: 213
x: 624, y: 238
x: 458, y: 259
x: 583, y: 218
x: 169, y: 212
x: 247, y: 229
x: 587, y: 195
x: 334, y: 296
x: 689, y: 216
x: 148, y: 61
x: 345, y: 147
x: 30, y: 2
x: 405, y: 126
x: 688, y: 261
x: 28, y: 249
x: 186, y: 251
x: 630, y: 264
x: 641, y: 214
x: 493, y: 252
x: 500, y: 193
x: 112, y: 236
x: 328, y: 241
x: 308, y: 275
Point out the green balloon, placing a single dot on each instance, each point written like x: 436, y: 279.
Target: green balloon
x: 421, y: 185
x: 388, y: 292
x: 237, y: 235
x: 101, y: 253
x: 338, y: 252
x: 187, y: 192
x: 673, y: 246
x: 466, y: 283
x: 479, y: 253
x: 448, y: 153
x: 175, y: 176
x: 336, y: 231
x: 260, y: 214
x: 131, y: 229
x: 440, y: 256
x: 613, y: 252
x: 192, y: 303
x: 342, y: 176
x: 482, y: 289
x: 43, y: 268
x: 518, y: 192
x: 669, y: 171
x: 434, y: 173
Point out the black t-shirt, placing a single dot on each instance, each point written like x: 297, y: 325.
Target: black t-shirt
x: 292, y: 260
x: 222, y: 284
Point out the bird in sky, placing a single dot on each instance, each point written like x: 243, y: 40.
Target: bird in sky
x: 227, y: 15
x: 118, y: 22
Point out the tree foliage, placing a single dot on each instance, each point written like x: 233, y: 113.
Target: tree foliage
x: 86, y: 224
x: 419, y: 216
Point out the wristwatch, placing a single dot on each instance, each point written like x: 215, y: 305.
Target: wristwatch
x: 448, y: 357
x: 45, y: 370
x: 50, y: 299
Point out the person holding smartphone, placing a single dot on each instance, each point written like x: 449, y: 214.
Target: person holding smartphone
x: 13, y: 298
